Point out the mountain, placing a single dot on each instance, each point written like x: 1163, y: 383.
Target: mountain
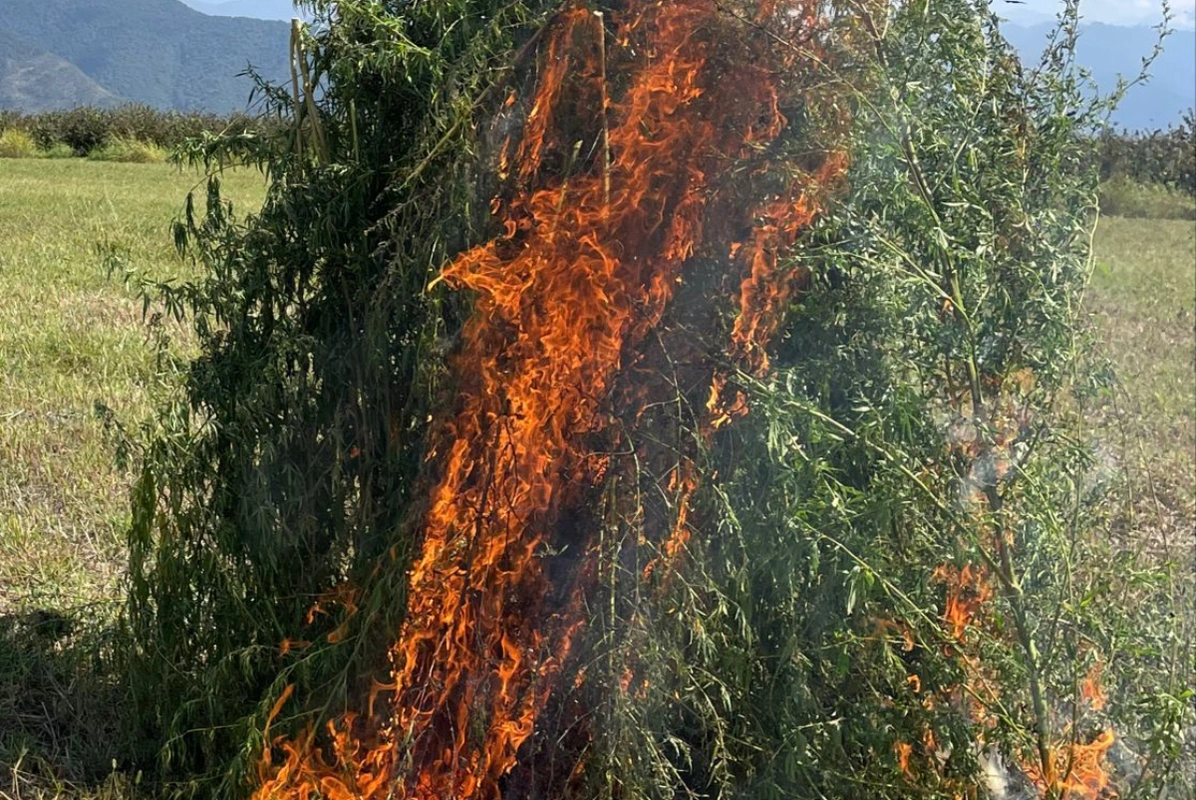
x: 257, y: 9
x: 1110, y: 51
x: 157, y: 52
x: 34, y: 79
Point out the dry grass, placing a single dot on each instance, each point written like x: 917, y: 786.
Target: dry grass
x: 17, y: 144
x: 1143, y: 300
x: 129, y: 151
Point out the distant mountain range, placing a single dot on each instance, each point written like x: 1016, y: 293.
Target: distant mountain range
x: 257, y: 9
x: 33, y: 79
x: 1110, y: 51
x: 157, y: 52
x: 62, y: 53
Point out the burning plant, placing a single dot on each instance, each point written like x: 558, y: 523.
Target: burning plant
x: 644, y: 166
x: 608, y: 451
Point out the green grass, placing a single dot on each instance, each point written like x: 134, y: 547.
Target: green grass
x: 71, y: 336
x: 129, y: 151
x: 1143, y: 302
x: 1143, y: 306
x: 1122, y: 197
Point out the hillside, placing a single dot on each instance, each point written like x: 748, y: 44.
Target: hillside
x: 34, y: 79
x: 256, y: 9
x: 157, y: 52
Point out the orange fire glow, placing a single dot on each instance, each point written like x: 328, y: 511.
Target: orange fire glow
x: 1091, y: 689
x: 968, y: 591
x: 1078, y: 770
x: 594, y: 250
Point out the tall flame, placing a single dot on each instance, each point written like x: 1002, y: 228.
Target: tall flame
x: 615, y: 200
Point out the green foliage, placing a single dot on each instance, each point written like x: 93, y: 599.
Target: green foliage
x: 1163, y: 157
x: 880, y: 447
x: 924, y: 411
x: 287, y: 468
x: 926, y: 402
x: 58, y: 150
x: 1124, y: 197
x: 81, y: 129
x: 85, y: 129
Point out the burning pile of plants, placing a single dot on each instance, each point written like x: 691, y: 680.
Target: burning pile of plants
x: 644, y: 399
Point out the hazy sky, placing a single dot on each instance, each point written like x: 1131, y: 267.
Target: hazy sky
x: 1122, y: 12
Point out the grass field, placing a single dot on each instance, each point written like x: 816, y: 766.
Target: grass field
x: 1143, y: 304
x: 70, y: 337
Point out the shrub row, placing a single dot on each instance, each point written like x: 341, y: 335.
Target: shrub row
x: 86, y: 130
x: 16, y: 143
x: 1162, y: 157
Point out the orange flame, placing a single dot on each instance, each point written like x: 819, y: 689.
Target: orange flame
x: 968, y: 591
x: 1075, y: 771
x: 1078, y: 769
x: 903, y: 750
x: 1091, y: 689
x: 585, y: 270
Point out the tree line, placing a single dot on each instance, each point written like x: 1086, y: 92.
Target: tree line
x: 1160, y: 157
x: 85, y: 129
